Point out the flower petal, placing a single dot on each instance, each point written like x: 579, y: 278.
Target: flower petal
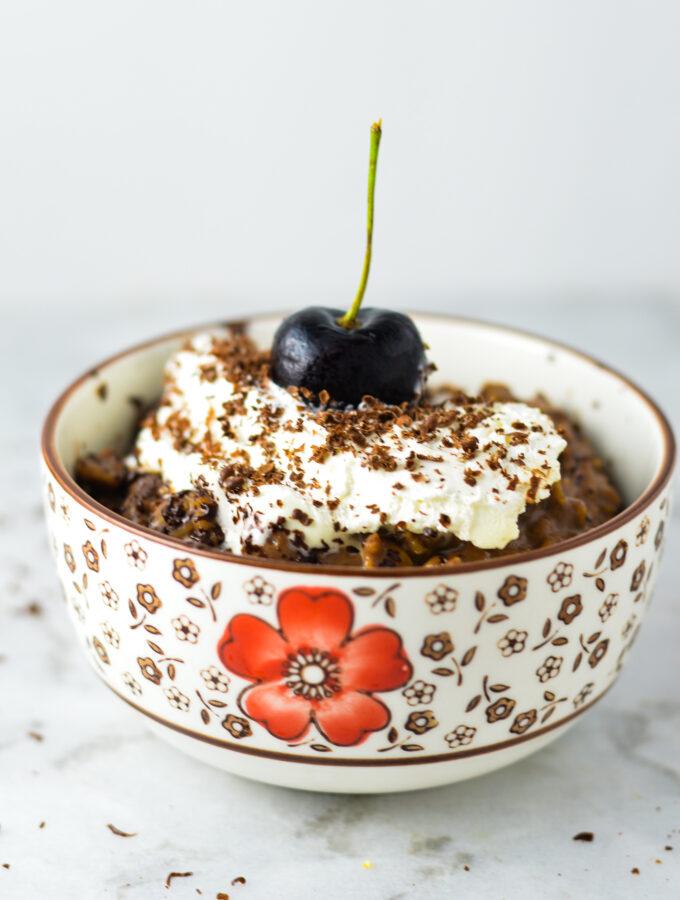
x: 315, y: 617
x: 374, y: 660
x: 347, y: 718
x: 275, y: 706
x: 253, y: 649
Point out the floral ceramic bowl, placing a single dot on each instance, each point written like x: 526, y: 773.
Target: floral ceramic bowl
x: 354, y: 680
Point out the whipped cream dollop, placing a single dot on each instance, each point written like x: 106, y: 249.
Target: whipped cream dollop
x: 326, y: 478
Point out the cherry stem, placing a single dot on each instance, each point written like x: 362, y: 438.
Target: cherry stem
x: 348, y: 320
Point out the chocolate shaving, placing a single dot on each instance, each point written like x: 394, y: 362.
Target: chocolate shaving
x: 584, y: 836
x: 120, y: 833
x: 238, y: 880
x: 176, y: 875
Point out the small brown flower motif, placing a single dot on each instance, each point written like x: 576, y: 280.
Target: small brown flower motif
x: 638, y: 575
x: 109, y: 596
x: 186, y: 630
x: 148, y: 598
x: 131, y: 684
x: 608, y: 607
x: 598, y: 653
x: 550, y: 668
x: 513, y: 642
x: 618, y: 555
x: 501, y: 709
x: 78, y: 609
x: 524, y: 721
x: 583, y: 694
x: 513, y: 590
x: 461, y: 736
x: 101, y: 651
x: 642, y: 532
x: 91, y: 556
x: 442, y: 599
x: 658, y: 537
x: 571, y: 607
x: 420, y: 722
x: 237, y: 726
x: 628, y: 627
x: 51, y: 498
x: 65, y: 512
x: 259, y: 591
x: 215, y: 680
x: 177, y: 699
x: 137, y: 557
x: 561, y: 576
x: 184, y: 571
x: 436, y: 646
x: 149, y: 669
x: 70, y: 559
x: 111, y: 636
x: 420, y: 692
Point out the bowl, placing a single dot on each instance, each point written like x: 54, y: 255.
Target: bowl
x: 395, y: 679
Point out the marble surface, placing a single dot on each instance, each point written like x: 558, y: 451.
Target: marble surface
x: 73, y: 757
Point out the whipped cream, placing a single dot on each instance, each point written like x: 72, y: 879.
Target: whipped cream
x: 272, y: 463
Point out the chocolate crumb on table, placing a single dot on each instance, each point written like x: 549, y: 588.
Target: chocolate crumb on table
x: 584, y: 836
x: 635, y: 871
x: 36, y: 736
x: 121, y: 833
x: 238, y: 880
x: 177, y: 875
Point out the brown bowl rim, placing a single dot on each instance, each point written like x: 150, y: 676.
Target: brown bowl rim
x: 648, y: 496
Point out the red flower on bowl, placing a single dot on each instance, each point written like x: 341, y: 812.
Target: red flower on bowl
x: 312, y: 669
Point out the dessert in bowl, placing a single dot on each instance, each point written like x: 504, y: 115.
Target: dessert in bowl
x: 319, y: 674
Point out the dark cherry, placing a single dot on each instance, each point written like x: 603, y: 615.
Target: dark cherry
x: 381, y: 355
x: 350, y: 355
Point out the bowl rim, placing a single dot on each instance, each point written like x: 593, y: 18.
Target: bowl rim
x: 69, y: 485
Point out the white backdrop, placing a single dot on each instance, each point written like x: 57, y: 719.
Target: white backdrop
x: 152, y: 149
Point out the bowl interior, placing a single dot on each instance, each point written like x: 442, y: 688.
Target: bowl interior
x: 103, y: 408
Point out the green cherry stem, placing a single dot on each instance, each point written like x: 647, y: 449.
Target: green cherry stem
x: 349, y: 319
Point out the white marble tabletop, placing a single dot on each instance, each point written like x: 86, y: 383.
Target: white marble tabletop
x: 73, y: 759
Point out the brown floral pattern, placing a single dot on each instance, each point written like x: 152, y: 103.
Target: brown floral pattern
x: 136, y: 555
x: 177, y: 699
x: 186, y: 630
x: 111, y: 636
x: 618, y: 555
x: 215, y: 680
x: 109, y: 596
x: 550, y: 668
x: 501, y: 709
x: 420, y: 722
x: 91, y: 556
x: 131, y: 684
x: 237, y: 726
x: 608, y: 607
x: 100, y: 650
x: 461, y: 736
x: 658, y: 537
x: 148, y: 598
x: 419, y: 692
x: 513, y: 590
x: 643, y: 531
x: 437, y: 646
x: 571, y: 607
x: 259, y: 591
x: 524, y: 721
x: 184, y: 571
x: 149, y: 669
x: 583, y: 694
x: 514, y: 641
x: 598, y: 653
x: 638, y: 576
x: 561, y: 576
x: 69, y: 558
x: 442, y: 599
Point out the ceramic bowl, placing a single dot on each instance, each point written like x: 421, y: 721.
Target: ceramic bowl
x: 402, y: 678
